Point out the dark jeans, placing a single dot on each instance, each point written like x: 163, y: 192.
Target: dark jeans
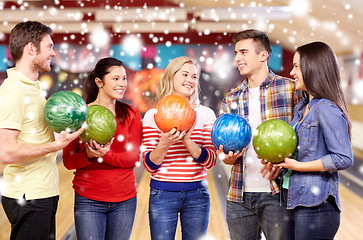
x: 165, y: 208
x: 258, y: 211
x: 31, y: 219
x: 103, y: 220
x: 313, y: 223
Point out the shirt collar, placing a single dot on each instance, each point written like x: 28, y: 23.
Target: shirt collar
x: 12, y: 73
x: 313, y: 102
x: 269, y: 79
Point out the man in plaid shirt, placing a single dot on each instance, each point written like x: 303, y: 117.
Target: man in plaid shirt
x: 253, y: 202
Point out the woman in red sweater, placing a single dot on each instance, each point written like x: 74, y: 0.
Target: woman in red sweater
x: 104, y: 180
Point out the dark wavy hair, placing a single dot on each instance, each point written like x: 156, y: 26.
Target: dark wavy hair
x: 321, y: 74
x: 91, y: 89
x: 24, y: 33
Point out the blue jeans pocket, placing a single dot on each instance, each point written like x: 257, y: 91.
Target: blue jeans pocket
x: 334, y: 215
x: 204, y: 192
x: 155, y: 193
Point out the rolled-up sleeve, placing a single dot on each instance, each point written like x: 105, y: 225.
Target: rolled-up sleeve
x: 336, y: 138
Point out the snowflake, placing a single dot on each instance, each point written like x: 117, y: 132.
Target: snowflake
x: 315, y: 190
x: 21, y: 201
x: 189, y: 159
x: 221, y: 156
x: 120, y: 138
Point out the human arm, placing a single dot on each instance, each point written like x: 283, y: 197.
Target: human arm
x: 201, y: 138
x: 155, y: 143
x: 333, y: 139
x: 336, y: 137
x: 167, y: 139
x: 74, y: 155
x: 129, y: 138
x: 231, y: 157
x: 12, y: 151
x: 156, y: 146
x: 313, y: 166
x: 192, y: 147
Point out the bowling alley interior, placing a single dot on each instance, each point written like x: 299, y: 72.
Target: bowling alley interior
x: 147, y: 35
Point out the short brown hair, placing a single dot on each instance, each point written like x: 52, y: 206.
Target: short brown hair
x: 25, y: 32
x: 258, y: 36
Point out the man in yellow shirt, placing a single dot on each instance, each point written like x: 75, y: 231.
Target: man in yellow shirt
x: 27, y: 146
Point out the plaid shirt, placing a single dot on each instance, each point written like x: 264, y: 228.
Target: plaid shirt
x: 278, y: 98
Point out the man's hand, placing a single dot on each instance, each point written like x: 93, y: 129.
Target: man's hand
x: 272, y: 169
x: 64, y: 138
x: 230, y: 158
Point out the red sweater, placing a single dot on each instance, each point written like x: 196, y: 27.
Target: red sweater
x: 112, y: 180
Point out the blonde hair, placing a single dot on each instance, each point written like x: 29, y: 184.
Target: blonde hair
x: 165, y: 86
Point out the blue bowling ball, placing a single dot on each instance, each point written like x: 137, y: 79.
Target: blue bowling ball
x: 232, y: 131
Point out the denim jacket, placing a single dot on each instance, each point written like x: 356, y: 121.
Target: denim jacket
x: 323, y: 134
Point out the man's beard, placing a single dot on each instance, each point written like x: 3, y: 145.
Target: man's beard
x: 41, y: 66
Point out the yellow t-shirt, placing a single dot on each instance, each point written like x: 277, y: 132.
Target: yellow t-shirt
x: 21, y: 108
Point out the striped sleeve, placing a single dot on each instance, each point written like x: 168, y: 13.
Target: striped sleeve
x: 206, y: 143
x: 178, y: 164
x: 151, y: 137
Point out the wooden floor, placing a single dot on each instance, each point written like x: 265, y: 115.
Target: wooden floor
x: 350, y: 228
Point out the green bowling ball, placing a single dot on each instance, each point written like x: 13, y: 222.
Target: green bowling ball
x: 274, y: 140
x: 65, y: 111
x: 101, y: 125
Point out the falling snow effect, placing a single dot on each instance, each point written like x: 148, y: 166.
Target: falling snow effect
x: 76, y: 56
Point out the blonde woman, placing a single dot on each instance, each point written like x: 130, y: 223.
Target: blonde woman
x: 178, y: 161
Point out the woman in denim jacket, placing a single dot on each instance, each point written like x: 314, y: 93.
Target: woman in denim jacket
x: 322, y: 127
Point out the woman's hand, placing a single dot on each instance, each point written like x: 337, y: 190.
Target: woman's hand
x: 289, y: 163
x: 186, y: 139
x: 171, y: 137
x: 166, y: 140
x: 95, y: 150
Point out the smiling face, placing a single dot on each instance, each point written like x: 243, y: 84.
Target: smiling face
x: 44, y: 55
x: 296, y: 73
x: 248, y: 61
x: 185, y: 80
x: 114, y: 83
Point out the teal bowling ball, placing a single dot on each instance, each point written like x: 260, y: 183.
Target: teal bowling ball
x: 274, y: 140
x: 101, y: 125
x: 65, y: 111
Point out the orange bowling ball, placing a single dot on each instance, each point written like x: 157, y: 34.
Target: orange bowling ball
x: 174, y: 111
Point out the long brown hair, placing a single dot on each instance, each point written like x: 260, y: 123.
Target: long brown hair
x: 321, y: 74
x: 91, y: 89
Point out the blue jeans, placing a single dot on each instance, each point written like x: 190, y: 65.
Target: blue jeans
x: 103, y: 220
x: 258, y: 211
x: 313, y: 223
x: 165, y: 206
